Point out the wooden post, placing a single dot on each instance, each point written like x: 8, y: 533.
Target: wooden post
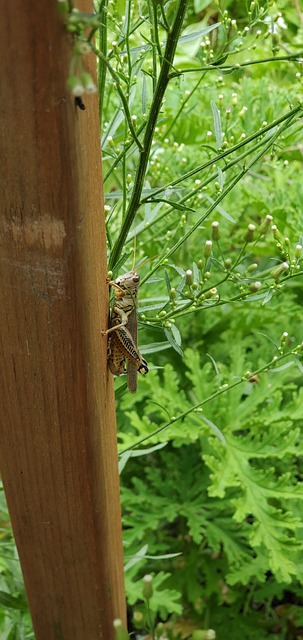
x: 58, y: 453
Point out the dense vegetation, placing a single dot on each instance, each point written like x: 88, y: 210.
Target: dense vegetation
x: 207, y: 185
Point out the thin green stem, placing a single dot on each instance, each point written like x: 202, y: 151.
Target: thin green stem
x: 198, y: 189
x: 120, y: 92
x: 162, y: 83
x: 183, y: 104
x: 221, y: 197
x: 124, y: 179
x: 164, y: 19
x: 226, y: 153
x: 235, y: 67
x: 127, y: 34
x: 102, y: 32
x: 271, y: 364
x: 123, y: 153
x: 155, y: 38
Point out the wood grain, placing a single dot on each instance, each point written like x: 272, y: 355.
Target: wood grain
x: 58, y: 453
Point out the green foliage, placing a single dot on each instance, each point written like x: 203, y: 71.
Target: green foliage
x: 15, y: 620
x: 232, y: 511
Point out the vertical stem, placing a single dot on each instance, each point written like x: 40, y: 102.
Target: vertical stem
x: 103, y: 47
x: 134, y: 203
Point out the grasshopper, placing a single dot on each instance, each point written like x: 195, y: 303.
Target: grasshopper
x: 123, y: 340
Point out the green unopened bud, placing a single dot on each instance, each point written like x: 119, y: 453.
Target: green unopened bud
x: 250, y: 233
x: 82, y: 48
x: 217, y: 186
x: 265, y: 224
x: 115, y: 46
x: 147, y: 587
x: 88, y: 83
x: 252, y: 267
x: 227, y: 263
x: 160, y: 630
x: 212, y: 292
x: 284, y: 337
x: 75, y: 86
x: 138, y: 619
x: 298, y: 250
x: 189, y: 278
x: 162, y: 314
x: 74, y: 14
x: 276, y: 232
x: 110, y: 141
x: 208, y: 248
x: 205, y: 634
x: 278, y: 271
x: 120, y: 631
x: 173, y: 294
x: 200, y: 264
x: 255, y: 286
x: 215, y: 230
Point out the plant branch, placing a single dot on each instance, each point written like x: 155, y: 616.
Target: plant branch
x: 221, y: 197
x: 122, y: 97
x: 162, y: 83
x: 292, y: 57
x: 224, y: 389
x: 102, y: 32
x: 224, y: 154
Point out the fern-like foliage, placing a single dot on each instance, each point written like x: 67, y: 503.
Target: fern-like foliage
x: 235, y: 505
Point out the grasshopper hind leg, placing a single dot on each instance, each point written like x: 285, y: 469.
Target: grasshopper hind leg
x: 116, y: 358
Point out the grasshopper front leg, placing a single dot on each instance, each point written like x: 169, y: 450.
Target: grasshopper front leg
x: 124, y: 320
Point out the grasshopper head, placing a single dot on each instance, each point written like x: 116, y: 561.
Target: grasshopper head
x: 129, y: 281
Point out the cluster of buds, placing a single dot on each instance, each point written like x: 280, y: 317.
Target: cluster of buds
x: 80, y: 84
x: 291, y: 259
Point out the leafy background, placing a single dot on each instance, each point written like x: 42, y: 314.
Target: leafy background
x: 231, y: 510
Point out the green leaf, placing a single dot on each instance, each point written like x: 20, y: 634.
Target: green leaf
x: 173, y: 342
x: 220, y: 61
x: 172, y: 203
x: 217, y: 124
x: 13, y: 602
x: 200, y: 5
